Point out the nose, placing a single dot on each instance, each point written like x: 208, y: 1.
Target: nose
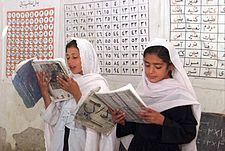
x: 150, y: 70
x: 68, y: 62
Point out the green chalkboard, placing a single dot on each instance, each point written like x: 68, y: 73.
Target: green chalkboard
x: 211, y: 136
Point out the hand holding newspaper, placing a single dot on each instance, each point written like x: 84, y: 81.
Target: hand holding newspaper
x: 53, y: 68
x: 126, y: 99
x: 94, y: 113
x: 26, y: 83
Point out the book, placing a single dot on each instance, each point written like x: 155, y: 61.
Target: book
x: 94, y: 112
x: 26, y: 83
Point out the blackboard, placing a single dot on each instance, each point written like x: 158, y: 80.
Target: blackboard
x: 211, y: 136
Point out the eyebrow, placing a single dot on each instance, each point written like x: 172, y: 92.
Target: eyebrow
x: 152, y: 63
x: 77, y: 53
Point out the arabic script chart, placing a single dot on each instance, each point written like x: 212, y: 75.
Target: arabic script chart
x: 198, y: 32
x: 118, y: 30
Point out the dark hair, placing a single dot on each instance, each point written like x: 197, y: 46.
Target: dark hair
x: 72, y: 43
x: 161, y: 52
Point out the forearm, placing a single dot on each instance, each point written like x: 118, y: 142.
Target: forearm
x: 47, y: 99
x: 126, y: 129
x: 51, y: 114
x: 77, y: 95
x: 179, y: 126
x: 173, y: 132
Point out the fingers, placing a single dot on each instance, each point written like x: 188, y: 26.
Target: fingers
x: 147, y: 109
x: 67, y: 84
x: 65, y: 77
x: 118, y: 116
x: 151, y: 116
x: 43, y: 77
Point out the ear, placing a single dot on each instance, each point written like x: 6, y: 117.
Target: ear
x: 171, y: 67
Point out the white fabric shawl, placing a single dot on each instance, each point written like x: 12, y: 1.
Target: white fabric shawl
x: 53, y: 114
x: 170, y: 93
x: 89, y: 59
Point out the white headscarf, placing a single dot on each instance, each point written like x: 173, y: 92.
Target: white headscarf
x: 89, y: 60
x: 170, y: 93
x: 90, y: 80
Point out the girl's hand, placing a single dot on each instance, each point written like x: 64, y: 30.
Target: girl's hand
x: 71, y: 86
x: 118, y: 116
x: 43, y: 81
x: 151, y: 116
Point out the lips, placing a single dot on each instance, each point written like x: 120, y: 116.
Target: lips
x: 151, y: 77
x: 72, y: 67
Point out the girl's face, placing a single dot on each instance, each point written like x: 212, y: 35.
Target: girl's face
x: 155, y: 69
x: 73, y: 60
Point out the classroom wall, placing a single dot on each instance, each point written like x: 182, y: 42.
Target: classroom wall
x: 22, y: 128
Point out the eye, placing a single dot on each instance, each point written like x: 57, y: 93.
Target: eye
x: 147, y: 64
x: 158, y: 66
x: 75, y: 57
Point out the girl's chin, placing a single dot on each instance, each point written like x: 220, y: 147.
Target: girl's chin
x: 153, y: 80
x: 75, y: 71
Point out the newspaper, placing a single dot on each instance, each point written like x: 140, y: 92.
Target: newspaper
x: 94, y: 112
x: 26, y: 83
x: 126, y: 99
x: 53, y: 68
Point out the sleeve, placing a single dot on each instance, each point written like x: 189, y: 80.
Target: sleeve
x: 92, y: 140
x: 124, y: 130
x: 109, y: 142
x: 51, y: 114
x: 179, y: 126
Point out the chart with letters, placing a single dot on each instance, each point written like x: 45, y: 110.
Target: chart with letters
x: 198, y: 32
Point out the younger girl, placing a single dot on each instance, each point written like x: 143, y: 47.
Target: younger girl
x: 62, y: 133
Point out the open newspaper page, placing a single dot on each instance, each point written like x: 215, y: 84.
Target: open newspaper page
x: 125, y: 98
x: 94, y: 114
x: 53, y: 68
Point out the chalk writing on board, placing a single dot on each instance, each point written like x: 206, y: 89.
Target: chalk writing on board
x: 119, y: 31
x: 211, y: 135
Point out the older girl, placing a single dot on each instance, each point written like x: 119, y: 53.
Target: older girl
x: 173, y: 113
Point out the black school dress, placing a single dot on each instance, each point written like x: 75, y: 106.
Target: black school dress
x: 179, y: 127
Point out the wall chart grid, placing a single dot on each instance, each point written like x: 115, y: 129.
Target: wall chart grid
x: 198, y: 32
x: 30, y: 34
x: 119, y: 31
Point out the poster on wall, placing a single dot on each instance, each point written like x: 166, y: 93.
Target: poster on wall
x: 31, y: 31
x: 118, y: 29
x: 197, y: 29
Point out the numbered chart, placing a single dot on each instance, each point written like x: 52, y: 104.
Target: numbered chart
x: 30, y: 34
x: 119, y: 31
x: 198, y: 32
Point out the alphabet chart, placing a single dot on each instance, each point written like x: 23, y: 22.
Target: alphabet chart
x: 198, y: 32
x: 30, y: 34
x: 118, y: 29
